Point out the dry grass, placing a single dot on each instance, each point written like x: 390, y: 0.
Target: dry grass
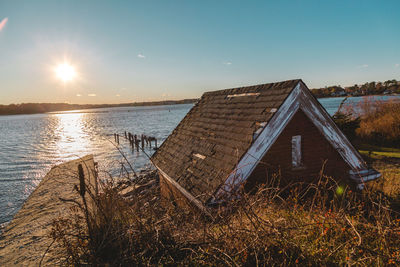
x: 379, y: 121
x: 316, y: 224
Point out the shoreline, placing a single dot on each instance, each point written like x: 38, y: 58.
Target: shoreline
x: 50, y: 107
x: 140, y: 104
x: 322, y: 97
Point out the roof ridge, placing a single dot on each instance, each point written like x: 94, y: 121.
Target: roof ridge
x: 292, y: 82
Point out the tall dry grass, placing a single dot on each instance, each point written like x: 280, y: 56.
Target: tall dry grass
x: 315, y: 224
x: 382, y: 126
x: 371, y: 121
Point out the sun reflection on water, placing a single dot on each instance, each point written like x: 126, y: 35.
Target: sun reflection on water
x: 73, y: 139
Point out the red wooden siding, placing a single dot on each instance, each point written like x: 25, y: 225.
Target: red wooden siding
x: 315, y: 150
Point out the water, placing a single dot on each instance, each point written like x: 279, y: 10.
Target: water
x: 332, y: 104
x: 31, y: 144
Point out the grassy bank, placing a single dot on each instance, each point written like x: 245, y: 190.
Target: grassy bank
x: 387, y: 161
x: 315, y: 224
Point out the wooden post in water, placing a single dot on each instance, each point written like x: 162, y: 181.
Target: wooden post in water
x: 137, y: 144
x: 125, y: 135
x: 155, y: 140
x: 118, y: 139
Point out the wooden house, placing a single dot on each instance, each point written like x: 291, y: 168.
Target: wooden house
x: 237, y: 136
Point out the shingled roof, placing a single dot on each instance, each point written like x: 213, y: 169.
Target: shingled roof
x: 208, y: 143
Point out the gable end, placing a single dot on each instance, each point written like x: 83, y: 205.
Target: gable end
x: 299, y: 98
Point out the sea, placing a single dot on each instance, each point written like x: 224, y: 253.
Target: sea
x: 31, y: 144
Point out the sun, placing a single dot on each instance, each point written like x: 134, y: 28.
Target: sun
x: 65, y: 72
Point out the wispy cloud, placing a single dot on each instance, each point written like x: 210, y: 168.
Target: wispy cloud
x: 3, y: 23
x: 141, y: 56
x: 91, y: 95
x: 117, y: 95
x: 227, y: 63
x: 78, y: 95
x: 397, y: 65
x: 364, y: 66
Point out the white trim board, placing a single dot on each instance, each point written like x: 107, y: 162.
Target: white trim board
x: 299, y: 98
x: 325, y: 124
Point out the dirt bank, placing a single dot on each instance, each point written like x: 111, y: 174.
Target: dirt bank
x: 26, y: 238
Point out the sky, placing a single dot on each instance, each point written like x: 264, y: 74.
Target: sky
x: 132, y: 51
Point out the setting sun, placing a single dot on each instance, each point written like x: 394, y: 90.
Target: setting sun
x: 65, y: 72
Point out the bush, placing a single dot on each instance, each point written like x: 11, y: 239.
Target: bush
x: 371, y: 121
x: 382, y: 125
x: 347, y: 124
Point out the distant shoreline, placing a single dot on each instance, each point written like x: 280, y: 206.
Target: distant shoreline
x: 40, y: 108
x: 337, y: 96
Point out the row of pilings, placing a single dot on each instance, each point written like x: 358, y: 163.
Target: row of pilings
x: 137, y: 141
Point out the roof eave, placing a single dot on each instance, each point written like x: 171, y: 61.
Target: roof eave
x: 185, y: 193
x: 363, y: 176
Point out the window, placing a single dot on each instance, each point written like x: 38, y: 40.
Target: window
x: 296, y: 151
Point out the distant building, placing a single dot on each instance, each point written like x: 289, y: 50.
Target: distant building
x: 239, y: 137
x: 339, y: 93
x: 387, y: 92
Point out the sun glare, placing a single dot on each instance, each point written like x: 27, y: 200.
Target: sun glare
x: 65, y: 72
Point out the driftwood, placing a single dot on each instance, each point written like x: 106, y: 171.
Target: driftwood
x: 146, y: 182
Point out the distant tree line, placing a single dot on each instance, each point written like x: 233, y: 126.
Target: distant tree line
x: 370, y: 88
x: 33, y: 108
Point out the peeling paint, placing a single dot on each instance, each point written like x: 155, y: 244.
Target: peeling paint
x: 296, y: 151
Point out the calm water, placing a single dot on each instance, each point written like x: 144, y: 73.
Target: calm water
x: 31, y: 144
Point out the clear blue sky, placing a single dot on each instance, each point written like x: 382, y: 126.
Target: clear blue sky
x: 126, y: 51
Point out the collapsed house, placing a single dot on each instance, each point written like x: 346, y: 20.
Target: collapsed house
x: 238, y: 137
